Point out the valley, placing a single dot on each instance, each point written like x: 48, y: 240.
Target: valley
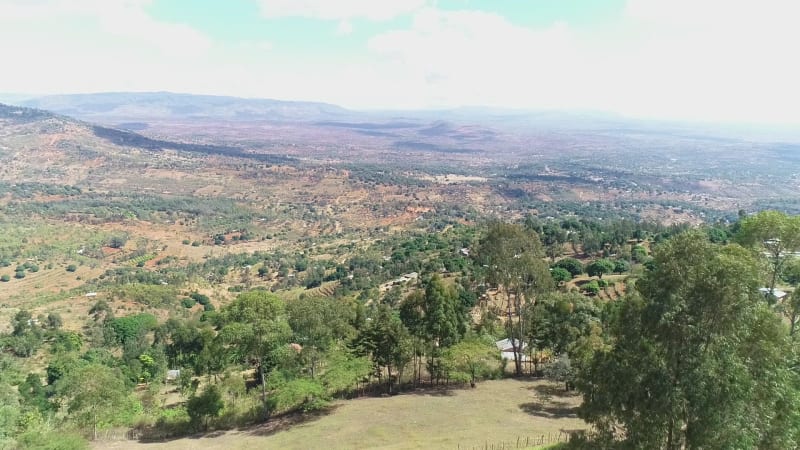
x: 141, y: 233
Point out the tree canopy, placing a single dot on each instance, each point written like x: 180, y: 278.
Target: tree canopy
x: 697, y: 359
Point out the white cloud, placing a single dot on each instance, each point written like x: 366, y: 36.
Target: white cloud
x: 339, y: 9
x: 699, y: 59
x: 471, y: 57
x: 117, y: 19
x: 94, y: 45
x: 344, y: 28
x: 713, y: 60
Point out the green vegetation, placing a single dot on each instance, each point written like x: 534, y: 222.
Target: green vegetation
x: 715, y: 370
x: 320, y: 282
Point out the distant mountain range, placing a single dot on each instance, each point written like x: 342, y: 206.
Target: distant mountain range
x: 135, y: 110
x: 118, y: 107
x: 144, y: 106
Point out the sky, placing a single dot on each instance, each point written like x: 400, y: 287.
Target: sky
x: 707, y: 60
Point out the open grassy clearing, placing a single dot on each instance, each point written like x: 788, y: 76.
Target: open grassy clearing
x: 495, y: 411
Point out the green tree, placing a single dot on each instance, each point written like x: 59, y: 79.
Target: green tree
x: 95, y: 395
x: 318, y: 323
x: 344, y: 370
x: 65, y: 341
x: 34, y: 393
x: 561, y: 370
x: 101, y: 311
x: 639, y: 254
x: 183, y: 342
x: 772, y: 232
x: 9, y: 412
x: 54, y: 321
x: 512, y: 261
x: 255, y: 329
x: 387, y: 342
x: 572, y: 265
x: 558, y: 321
x: 130, y: 328
x: 436, y: 316
x: 22, y: 323
x: 117, y: 241
x: 791, y: 305
x: 290, y: 394
x: 600, y: 267
x: 473, y: 358
x: 560, y: 275
x: 791, y: 272
x: 696, y: 359
x: 444, y: 316
x: 620, y: 266
x: 204, y: 406
x: 234, y: 387
x: 186, y: 384
x: 553, y: 239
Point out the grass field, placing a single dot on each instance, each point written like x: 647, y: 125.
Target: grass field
x: 495, y: 412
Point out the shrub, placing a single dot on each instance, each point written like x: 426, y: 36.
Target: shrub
x: 5, y: 278
x: 620, y: 265
x: 599, y: 267
x: 560, y: 274
x: 591, y: 287
x: 19, y: 274
x: 130, y: 327
x: 206, y: 405
x: 639, y: 254
x: 188, y: 302
x: 571, y: 265
x: 117, y: 241
x: 199, y: 298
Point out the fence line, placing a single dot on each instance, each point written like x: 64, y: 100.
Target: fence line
x: 520, y: 442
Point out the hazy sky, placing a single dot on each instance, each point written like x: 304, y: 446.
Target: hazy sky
x: 719, y: 60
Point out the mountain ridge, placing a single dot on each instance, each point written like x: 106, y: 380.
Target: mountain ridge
x: 116, y: 106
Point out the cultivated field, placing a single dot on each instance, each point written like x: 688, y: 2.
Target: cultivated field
x: 494, y: 412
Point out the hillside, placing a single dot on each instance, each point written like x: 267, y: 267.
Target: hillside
x: 124, y: 254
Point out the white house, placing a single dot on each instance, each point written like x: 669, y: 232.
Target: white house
x: 777, y: 293
x: 507, y: 350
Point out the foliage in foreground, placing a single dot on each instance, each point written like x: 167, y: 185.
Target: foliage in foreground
x: 697, y: 358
